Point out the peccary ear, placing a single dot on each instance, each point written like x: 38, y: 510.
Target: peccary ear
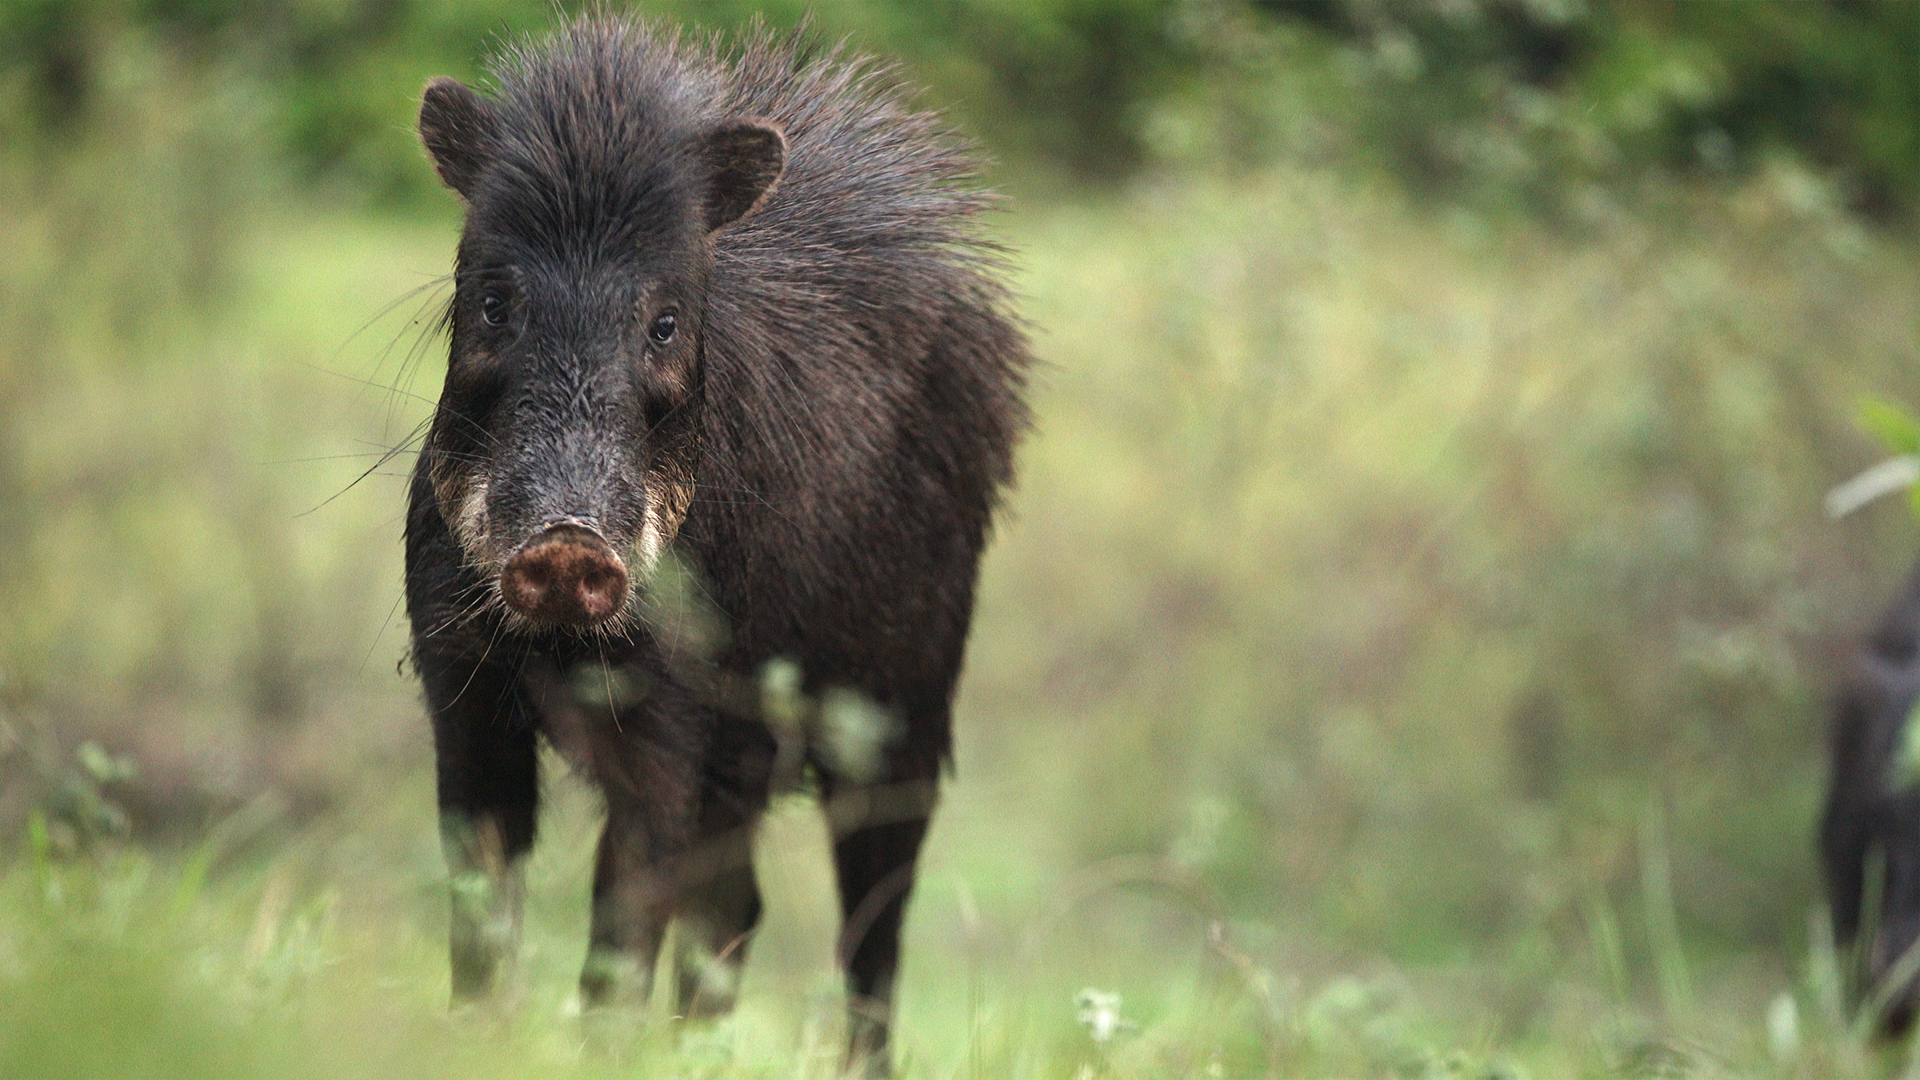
x: 457, y: 127
x: 744, y: 159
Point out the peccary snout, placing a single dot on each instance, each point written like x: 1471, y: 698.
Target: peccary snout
x: 566, y: 574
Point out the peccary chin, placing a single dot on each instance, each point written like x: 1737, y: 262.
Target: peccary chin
x: 572, y: 392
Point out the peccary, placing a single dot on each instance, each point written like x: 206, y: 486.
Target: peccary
x: 1870, y: 835
x: 727, y: 312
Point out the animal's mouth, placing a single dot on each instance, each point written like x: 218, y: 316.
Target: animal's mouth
x: 566, y: 574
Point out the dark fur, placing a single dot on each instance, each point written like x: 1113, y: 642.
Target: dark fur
x: 1871, y: 830
x: 835, y: 418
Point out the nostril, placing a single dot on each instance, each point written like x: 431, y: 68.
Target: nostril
x: 525, y: 583
x: 600, y: 590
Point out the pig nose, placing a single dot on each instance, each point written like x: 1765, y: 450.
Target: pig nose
x: 566, y: 574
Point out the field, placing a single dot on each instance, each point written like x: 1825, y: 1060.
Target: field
x: 1406, y: 652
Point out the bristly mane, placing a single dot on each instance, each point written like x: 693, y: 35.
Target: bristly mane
x: 591, y: 116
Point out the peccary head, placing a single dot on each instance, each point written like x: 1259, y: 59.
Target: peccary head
x: 562, y: 454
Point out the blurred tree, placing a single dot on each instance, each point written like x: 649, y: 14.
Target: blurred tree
x: 1525, y: 99
x: 1534, y: 103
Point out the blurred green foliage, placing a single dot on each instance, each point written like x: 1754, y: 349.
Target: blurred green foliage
x: 1485, y: 547
x: 1484, y: 100
x: 1556, y: 102
x: 1406, y: 652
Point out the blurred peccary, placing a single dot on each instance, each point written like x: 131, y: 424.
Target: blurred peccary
x: 1870, y: 835
x: 725, y: 319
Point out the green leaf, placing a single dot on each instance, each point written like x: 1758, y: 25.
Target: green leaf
x: 1891, y: 424
x: 1903, y: 772
x: 1882, y: 478
x: 103, y: 767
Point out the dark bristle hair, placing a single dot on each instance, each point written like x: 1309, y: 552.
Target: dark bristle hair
x: 589, y: 114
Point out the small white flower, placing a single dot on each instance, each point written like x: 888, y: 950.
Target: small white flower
x: 1100, y: 1012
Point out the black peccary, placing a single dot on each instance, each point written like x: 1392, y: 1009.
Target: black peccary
x: 1870, y: 835
x: 728, y: 311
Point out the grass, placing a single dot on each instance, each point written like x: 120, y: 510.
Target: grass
x: 1404, y: 656
x: 322, y: 954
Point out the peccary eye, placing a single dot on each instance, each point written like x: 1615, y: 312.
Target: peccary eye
x: 661, y: 329
x: 493, y: 310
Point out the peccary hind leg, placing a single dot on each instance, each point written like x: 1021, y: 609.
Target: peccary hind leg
x: 718, y: 910
x: 642, y: 859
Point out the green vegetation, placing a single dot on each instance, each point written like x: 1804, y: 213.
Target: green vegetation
x: 1405, y: 655
x: 1549, y: 104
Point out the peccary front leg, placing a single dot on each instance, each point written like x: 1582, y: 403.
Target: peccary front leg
x: 488, y: 781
